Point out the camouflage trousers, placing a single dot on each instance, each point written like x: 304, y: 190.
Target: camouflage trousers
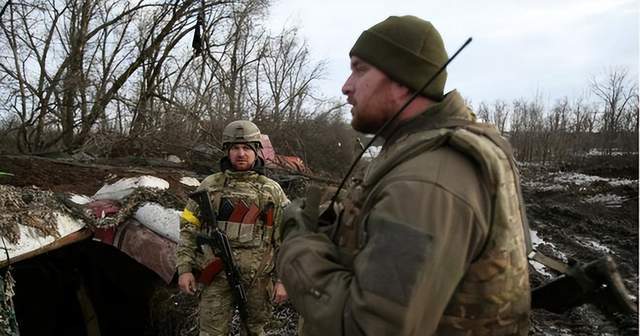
x: 216, y: 303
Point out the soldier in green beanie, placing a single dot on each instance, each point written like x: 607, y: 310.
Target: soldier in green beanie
x: 430, y: 240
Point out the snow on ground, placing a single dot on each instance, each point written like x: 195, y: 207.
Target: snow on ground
x: 593, y: 244
x: 535, y: 241
x: 543, y: 186
x: 560, y: 181
x: 123, y: 187
x: 174, y: 159
x: 559, y: 332
x: 542, y: 269
x: 614, y: 152
x: 609, y: 200
x: 582, y: 179
x: 190, y: 181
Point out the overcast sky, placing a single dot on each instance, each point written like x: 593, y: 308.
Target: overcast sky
x: 519, y: 47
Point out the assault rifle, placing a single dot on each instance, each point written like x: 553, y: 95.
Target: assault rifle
x: 219, y: 242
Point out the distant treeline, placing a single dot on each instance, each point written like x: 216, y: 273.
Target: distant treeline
x: 128, y: 78
x: 568, y: 128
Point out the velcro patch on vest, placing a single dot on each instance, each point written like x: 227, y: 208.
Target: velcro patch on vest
x: 395, y: 254
x: 268, y: 215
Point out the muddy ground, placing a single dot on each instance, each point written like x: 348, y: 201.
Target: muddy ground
x: 580, y: 211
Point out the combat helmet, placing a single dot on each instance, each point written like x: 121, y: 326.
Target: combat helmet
x: 241, y: 131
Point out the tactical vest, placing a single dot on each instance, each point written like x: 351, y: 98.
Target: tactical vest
x: 245, y: 207
x: 493, y: 297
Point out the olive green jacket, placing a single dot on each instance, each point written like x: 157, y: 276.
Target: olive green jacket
x: 409, y: 239
x: 257, y: 230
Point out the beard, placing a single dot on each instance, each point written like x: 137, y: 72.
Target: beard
x: 363, y: 123
x: 370, y: 116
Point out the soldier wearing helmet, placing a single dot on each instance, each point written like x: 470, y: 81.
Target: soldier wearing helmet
x: 249, y: 209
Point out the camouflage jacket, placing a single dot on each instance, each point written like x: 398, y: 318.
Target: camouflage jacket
x: 249, y: 209
x: 430, y: 242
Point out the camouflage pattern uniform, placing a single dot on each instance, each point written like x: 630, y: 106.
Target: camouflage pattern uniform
x: 249, y: 209
x: 430, y: 241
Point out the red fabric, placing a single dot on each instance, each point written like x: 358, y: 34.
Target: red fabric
x: 252, y: 215
x: 268, y: 153
x: 287, y: 162
x: 268, y: 216
x: 210, y: 272
x: 148, y: 248
x: 105, y: 235
x: 239, y: 210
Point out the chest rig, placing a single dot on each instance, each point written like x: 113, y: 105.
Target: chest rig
x: 244, y: 209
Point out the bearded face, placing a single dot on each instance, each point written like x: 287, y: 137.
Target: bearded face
x: 368, y: 90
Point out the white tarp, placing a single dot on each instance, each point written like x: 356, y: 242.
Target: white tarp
x: 30, y: 240
x: 123, y: 187
x: 161, y: 220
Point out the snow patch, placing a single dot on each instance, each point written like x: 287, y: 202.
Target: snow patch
x: 609, y: 200
x: 540, y: 268
x: 190, y: 181
x: 372, y: 152
x: 615, y: 152
x: 582, y: 179
x: 123, y: 187
x: 161, y: 220
x: 623, y: 182
x: 31, y: 240
x: 80, y: 199
x: 592, y: 244
x: 174, y: 159
x: 544, y: 186
x: 536, y: 241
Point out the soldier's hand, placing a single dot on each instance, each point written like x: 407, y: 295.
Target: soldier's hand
x: 279, y: 293
x: 301, y: 215
x: 187, y: 283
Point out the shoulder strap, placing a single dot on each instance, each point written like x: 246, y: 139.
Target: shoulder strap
x: 489, y: 132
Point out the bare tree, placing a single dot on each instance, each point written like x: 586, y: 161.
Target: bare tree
x: 65, y: 67
x: 616, y: 92
x: 289, y: 73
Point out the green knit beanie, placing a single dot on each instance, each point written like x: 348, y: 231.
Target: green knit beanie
x: 407, y: 49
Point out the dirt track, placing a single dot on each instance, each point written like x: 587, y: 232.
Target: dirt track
x: 583, y: 212
x: 580, y: 217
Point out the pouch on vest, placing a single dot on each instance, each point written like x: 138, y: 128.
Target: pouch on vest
x: 238, y: 218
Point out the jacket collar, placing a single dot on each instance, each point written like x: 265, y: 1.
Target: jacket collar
x: 450, y: 112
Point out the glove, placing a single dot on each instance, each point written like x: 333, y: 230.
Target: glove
x: 301, y: 215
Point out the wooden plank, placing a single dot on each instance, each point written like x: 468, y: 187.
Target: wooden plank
x: 77, y: 236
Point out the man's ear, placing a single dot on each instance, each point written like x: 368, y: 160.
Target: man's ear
x: 400, y: 92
